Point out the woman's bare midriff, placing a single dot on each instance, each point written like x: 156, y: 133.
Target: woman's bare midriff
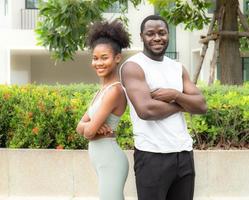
x: 111, y: 135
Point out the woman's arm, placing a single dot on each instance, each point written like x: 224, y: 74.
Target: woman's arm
x: 80, y: 126
x: 113, y: 98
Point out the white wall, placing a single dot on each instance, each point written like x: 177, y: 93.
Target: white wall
x: 15, y: 12
x: 20, y: 69
x: 4, y: 15
x: 44, y: 70
x: 182, y: 45
x: 195, y: 48
x: 187, y: 43
x: 135, y: 16
x: 4, y: 66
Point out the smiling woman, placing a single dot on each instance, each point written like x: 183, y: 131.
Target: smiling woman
x: 100, y: 121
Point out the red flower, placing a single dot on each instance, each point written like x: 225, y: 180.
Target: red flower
x: 30, y: 114
x: 35, y: 130
x: 59, y: 147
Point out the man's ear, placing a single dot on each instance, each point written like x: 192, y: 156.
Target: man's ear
x: 141, y: 37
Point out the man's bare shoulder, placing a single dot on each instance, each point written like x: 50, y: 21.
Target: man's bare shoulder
x: 131, y: 68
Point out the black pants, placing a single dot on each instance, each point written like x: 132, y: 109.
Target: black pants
x: 164, y: 176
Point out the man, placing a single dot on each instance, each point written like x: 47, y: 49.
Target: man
x: 158, y: 91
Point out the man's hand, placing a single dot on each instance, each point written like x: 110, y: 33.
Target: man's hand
x: 166, y: 95
x: 104, y: 130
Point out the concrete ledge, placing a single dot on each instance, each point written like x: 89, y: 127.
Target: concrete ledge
x: 27, y: 174
x: 96, y: 198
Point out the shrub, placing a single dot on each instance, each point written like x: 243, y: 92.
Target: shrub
x: 43, y: 116
x: 226, y: 124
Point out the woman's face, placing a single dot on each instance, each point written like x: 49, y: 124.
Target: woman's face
x: 103, y: 60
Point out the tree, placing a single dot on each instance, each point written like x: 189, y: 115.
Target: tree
x: 223, y: 30
x: 64, y: 24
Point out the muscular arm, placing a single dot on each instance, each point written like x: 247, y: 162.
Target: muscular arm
x: 138, y: 92
x: 89, y: 128
x: 191, y: 99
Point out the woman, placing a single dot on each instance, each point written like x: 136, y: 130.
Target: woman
x: 100, y: 121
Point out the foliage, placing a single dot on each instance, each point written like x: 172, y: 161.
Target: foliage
x: 226, y: 124
x: 64, y: 24
x: 35, y: 116
x: 244, y: 41
x: 191, y: 13
x: 43, y: 116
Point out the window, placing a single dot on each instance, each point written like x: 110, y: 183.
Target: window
x: 5, y: 8
x: 171, y: 50
x: 246, y: 7
x: 211, y: 9
x: 117, y: 7
x: 245, y: 66
x: 31, y: 4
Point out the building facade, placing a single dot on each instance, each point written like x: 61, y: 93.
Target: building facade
x: 22, y: 61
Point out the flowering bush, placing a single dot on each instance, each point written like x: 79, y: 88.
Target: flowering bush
x: 35, y: 116
x: 226, y: 124
x: 43, y: 116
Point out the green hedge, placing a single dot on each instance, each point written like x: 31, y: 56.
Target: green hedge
x: 226, y: 124
x: 35, y: 116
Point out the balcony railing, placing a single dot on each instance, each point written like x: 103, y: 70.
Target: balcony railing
x: 29, y: 18
x: 173, y: 55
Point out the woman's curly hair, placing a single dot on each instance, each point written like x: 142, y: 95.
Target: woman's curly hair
x: 113, y: 33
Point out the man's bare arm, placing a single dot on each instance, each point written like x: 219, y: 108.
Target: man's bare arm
x: 190, y: 99
x: 138, y: 91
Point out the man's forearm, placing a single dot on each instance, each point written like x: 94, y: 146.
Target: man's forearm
x: 194, y: 104
x: 158, y: 110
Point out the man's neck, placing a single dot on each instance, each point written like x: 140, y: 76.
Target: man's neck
x: 153, y: 57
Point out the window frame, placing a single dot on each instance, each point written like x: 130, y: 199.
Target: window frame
x: 212, y: 8
x: 119, y: 7
x: 6, y: 8
x: 245, y: 69
x: 31, y: 8
x: 246, y: 7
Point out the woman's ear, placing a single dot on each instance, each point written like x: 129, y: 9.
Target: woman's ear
x: 118, y: 58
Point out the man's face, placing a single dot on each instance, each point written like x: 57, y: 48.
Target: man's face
x: 155, y: 37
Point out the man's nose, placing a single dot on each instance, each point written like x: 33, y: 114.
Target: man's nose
x: 157, y: 37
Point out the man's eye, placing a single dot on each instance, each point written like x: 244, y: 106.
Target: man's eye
x: 149, y: 34
x: 162, y: 33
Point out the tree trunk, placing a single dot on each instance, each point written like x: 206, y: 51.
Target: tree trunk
x: 229, y: 54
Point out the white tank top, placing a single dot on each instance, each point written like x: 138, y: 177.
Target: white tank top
x: 165, y: 135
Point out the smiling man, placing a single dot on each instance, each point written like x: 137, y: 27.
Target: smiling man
x: 159, y: 90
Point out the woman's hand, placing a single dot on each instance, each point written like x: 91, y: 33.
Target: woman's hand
x: 104, y: 130
x: 80, y: 128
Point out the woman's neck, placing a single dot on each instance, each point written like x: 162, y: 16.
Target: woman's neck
x: 109, y: 80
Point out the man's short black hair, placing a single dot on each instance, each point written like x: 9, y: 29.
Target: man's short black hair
x: 153, y: 17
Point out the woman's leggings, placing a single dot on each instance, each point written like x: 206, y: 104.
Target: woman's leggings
x: 111, y: 166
